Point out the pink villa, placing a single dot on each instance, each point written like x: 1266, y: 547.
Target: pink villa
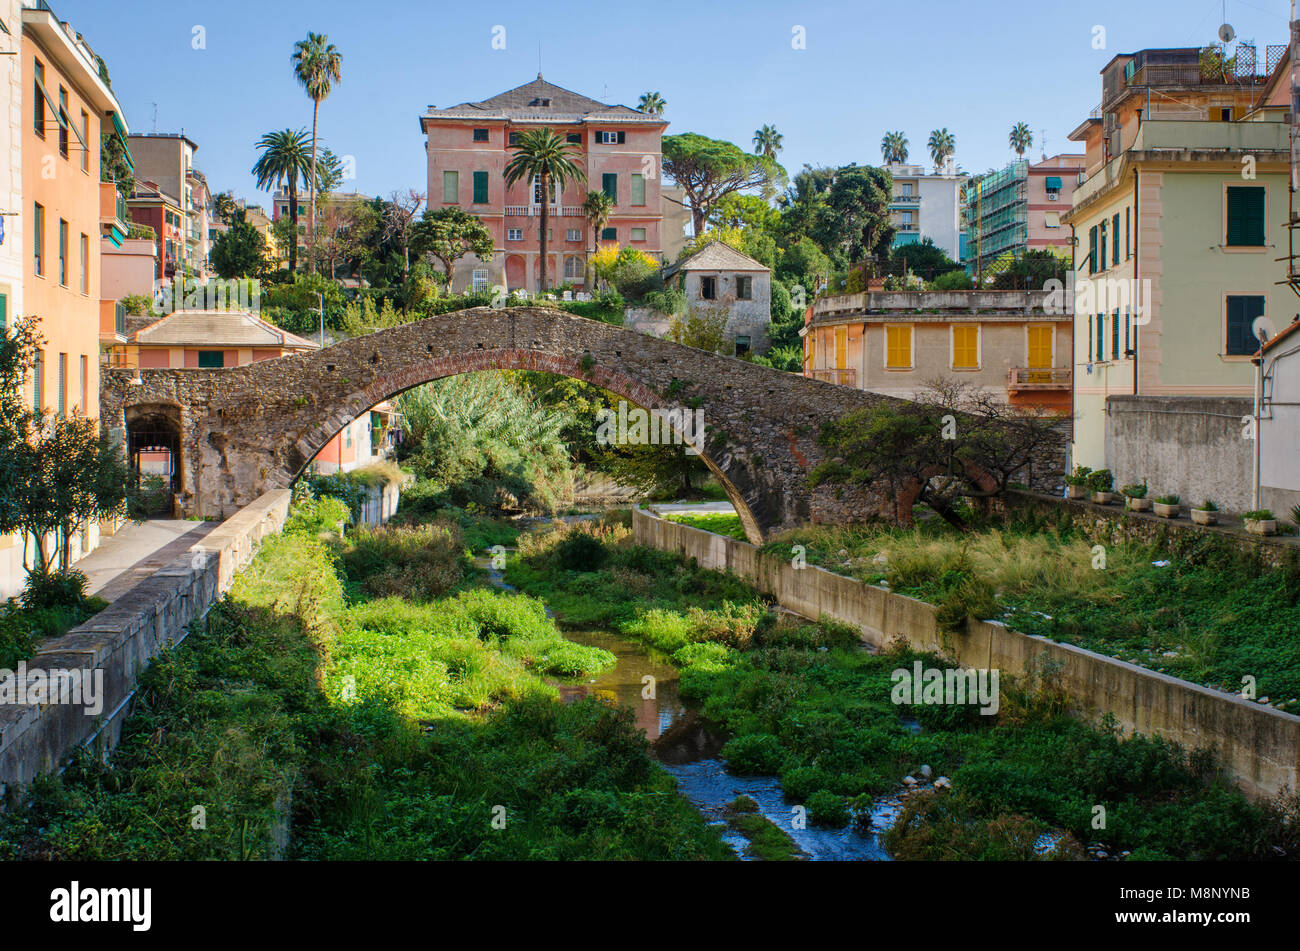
x: 617, y: 147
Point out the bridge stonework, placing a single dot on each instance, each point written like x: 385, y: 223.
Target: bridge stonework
x: 251, y: 429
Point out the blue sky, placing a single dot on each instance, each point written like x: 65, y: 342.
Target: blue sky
x: 725, y: 68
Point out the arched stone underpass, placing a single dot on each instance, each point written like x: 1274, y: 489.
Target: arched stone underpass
x: 249, y: 429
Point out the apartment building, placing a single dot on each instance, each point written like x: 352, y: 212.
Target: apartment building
x: 155, y: 208
x: 928, y: 206
x: 617, y: 147
x: 1019, y: 208
x: 59, y: 104
x: 1010, y: 344
x: 166, y: 160
x: 1178, y: 226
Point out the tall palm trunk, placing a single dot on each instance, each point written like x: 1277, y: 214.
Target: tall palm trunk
x: 546, y: 201
x: 293, y: 217
x: 311, y: 225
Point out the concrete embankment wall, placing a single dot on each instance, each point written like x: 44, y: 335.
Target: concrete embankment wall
x: 1257, y: 745
x: 122, y: 639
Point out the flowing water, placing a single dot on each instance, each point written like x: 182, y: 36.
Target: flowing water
x: 689, y: 747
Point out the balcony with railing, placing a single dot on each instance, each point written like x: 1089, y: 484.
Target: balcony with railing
x: 112, y: 323
x: 114, y: 216
x: 847, y: 376
x: 1038, y: 379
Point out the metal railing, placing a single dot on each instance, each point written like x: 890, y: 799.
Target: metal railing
x: 1038, y: 378
x: 844, y: 377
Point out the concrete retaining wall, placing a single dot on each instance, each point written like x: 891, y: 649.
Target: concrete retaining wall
x: 122, y: 639
x: 1182, y: 445
x: 1257, y: 745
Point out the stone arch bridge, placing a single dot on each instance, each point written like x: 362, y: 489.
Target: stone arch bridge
x: 242, y: 431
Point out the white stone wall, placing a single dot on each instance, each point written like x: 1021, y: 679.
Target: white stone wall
x: 1279, y: 464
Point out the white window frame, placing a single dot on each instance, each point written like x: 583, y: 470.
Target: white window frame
x: 514, y: 234
x: 573, y: 234
x: 480, y: 279
x: 911, y: 356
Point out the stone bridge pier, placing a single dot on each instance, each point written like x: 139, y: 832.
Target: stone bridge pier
x: 243, y: 431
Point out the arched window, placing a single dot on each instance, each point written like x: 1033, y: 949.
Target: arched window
x: 573, y: 269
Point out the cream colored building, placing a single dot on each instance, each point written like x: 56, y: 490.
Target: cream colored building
x: 1177, y: 227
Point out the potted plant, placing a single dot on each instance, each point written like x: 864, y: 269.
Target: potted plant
x: 1076, y: 485
x: 1260, y: 522
x: 1167, y: 506
x: 1207, y: 514
x: 1135, y: 497
x: 1099, y: 483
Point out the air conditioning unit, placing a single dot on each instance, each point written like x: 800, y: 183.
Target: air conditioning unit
x: 1053, y: 196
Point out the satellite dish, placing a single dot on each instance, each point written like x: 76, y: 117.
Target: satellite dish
x: 1262, y: 328
x: 1227, y: 33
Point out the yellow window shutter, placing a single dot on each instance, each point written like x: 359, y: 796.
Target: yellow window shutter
x: 965, y: 347
x: 899, y: 347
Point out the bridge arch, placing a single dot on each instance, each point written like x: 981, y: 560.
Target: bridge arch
x: 248, y: 429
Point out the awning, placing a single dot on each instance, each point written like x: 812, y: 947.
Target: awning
x: 1053, y: 183
x: 120, y: 129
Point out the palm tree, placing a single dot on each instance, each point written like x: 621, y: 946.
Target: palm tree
x: 767, y: 141
x: 223, y: 206
x: 547, y: 157
x: 652, y: 104
x: 318, y: 66
x: 285, y: 159
x: 596, y: 206
x: 894, y: 147
x: 1020, y: 138
x: 942, y: 145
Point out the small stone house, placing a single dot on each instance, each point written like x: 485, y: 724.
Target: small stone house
x: 719, y: 277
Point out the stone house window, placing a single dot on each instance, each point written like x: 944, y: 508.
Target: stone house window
x: 744, y: 288
x: 709, y: 288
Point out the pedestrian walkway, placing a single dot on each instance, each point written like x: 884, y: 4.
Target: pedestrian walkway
x: 126, y: 558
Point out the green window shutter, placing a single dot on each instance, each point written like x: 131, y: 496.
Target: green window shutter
x: 62, y: 402
x: 1090, y: 340
x: 1092, y: 250
x: 638, y: 189
x: 1242, y: 312
x: 622, y: 138
x: 1115, y: 240
x: 1114, y: 335
x: 480, y: 188
x: 1101, y: 337
x: 1128, y: 233
x: 38, y: 380
x: 1245, y: 216
x: 609, y: 185
x: 609, y: 234
x: 211, y: 359
x: 451, y: 186
x: 4, y: 311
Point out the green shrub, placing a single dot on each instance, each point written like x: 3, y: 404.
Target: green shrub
x: 57, y: 589
x: 580, y: 551
x: 827, y: 809
x: 754, y: 754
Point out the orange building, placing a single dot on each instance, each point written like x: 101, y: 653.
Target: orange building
x: 65, y: 106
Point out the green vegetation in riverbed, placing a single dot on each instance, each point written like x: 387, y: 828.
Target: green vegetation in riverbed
x: 390, y: 729
x: 720, y: 523
x: 1202, y: 612
x: 767, y: 841
x: 804, y: 702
